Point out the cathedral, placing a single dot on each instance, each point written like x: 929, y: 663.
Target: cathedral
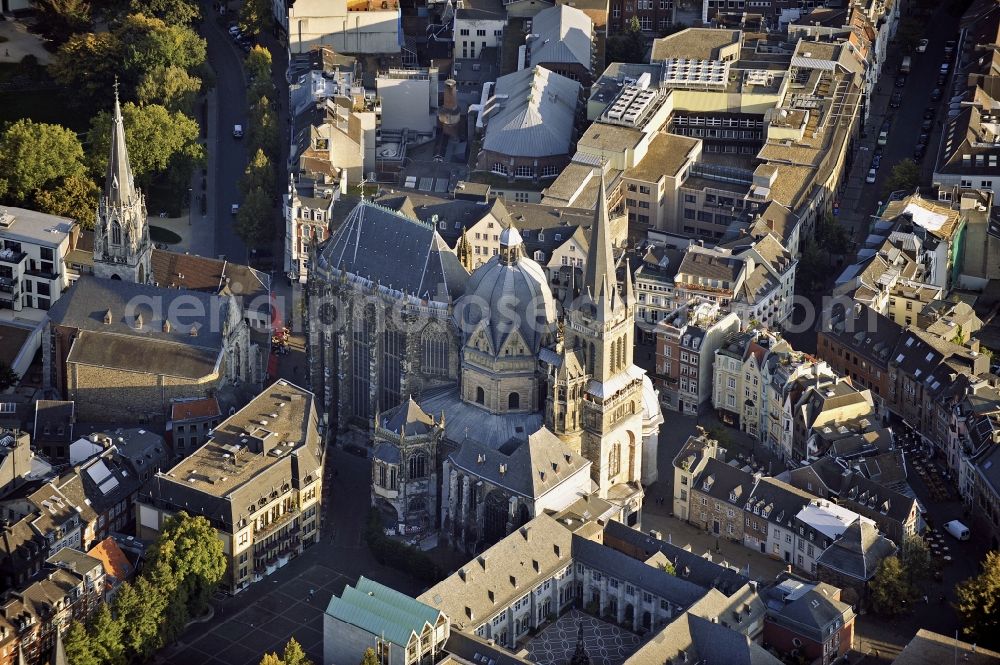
x: 486, y: 400
x: 122, y: 346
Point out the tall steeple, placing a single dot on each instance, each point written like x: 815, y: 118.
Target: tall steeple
x: 119, y: 185
x: 600, y: 270
x: 122, y: 249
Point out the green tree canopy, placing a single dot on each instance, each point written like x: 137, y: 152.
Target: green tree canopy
x: 255, y: 17
x: 889, y: 588
x: 106, y: 636
x: 271, y: 659
x: 156, y: 138
x: 294, y: 655
x: 73, y: 196
x: 259, y: 174
x: 139, y: 607
x: 629, y: 46
x: 254, y: 223
x: 33, y: 155
x: 916, y: 560
x: 87, y: 63
x: 905, y: 176
x: 370, y: 658
x: 60, y: 19
x: 978, y: 602
x: 263, y: 128
x: 171, y: 87
x: 147, y: 43
x: 179, y: 12
x: 258, y: 68
x: 79, y: 649
x: 190, y: 551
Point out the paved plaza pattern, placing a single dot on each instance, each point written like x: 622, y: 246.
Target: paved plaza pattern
x: 605, y: 643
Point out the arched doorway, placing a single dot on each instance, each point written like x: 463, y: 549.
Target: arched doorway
x: 647, y: 620
x: 115, y: 276
x: 629, y: 613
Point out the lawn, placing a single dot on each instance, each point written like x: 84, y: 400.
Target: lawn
x: 162, y: 235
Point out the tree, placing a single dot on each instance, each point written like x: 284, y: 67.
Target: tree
x: 171, y: 87
x: 979, y: 602
x: 889, y: 588
x: 294, y: 655
x: 258, y: 63
x: 106, y: 637
x: 179, y: 12
x: 813, y: 268
x: 33, y: 154
x: 139, y: 608
x: 8, y: 377
x: 253, y: 221
x: 668, y: 567
x: 369, y: 658
x: 271, y: 659
x: 73, y: 196
x: 630, y: 46
x: 147, y: 43
x: 189, y: 553
x: 263, y: 128
x: 255, y: 17
x: 831, y: 236
x: 916, y: 560
x: 79, y: 650
x: 905, y: 176
x: 911, y: 30
x: 156, y: 138
x: 87, y: 64
x: 58, y: 20
x: 259, y: 174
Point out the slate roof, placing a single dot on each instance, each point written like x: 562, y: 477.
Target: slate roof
x: 719, y: 480
x: 398, y: 252
x: 537, y: 117
x: 894, y: 505
x: 463, y: 420
x: 806, y: 608
x: 529, y: 466
x: 503, y: 573
x: 381, y: 611
x: 149, y: 356
x: 407, y: 419
x: 858, y: 552
x: 53, y: 421
x: 688, y: 565
x: 711, y: 265
x: 660, y: 583
x: 700, y: 641
x: 784, y: 500
x: 561, y: 34
x: 85, y: 304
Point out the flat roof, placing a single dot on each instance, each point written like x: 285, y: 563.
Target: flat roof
x: 38, y: 228
x: 12, y: 338
x: 666, y: 155
x: 280, y: 416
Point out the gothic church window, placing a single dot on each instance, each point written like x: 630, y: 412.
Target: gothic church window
x: 435, y: 348
x: 116, y: 233
x: 418, y: 466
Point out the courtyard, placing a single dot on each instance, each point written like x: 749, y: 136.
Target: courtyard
x: 605, y: 643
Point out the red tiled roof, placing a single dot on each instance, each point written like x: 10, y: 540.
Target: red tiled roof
x: 115, y: 562
x: 195, y: 408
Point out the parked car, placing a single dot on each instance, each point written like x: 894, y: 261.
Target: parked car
x: 900, y: 81
x: 883, y: 137
x: 926, y: 125
x: 944, y: 68
x: 918, y: 152
x: 895, y: 100
x: 876, y: 162
x: 237, y: 131
x: 949, y: 47
x: 922, y: 139
x: 922, y: 46
x: 235, y: 208
x: 936, y: 94
x: 929, y: 113
x: 872, y: 173
x: 942, y: 79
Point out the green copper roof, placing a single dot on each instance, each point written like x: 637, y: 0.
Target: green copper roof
x: 382, y: 611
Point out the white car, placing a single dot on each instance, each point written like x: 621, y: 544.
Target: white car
x: 236, y: 207
x: 237, y: 131
x: 871, y: 176
x: 922, y: 46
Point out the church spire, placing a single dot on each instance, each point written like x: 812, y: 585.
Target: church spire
x: 119, y: 186
x: 600, y: 271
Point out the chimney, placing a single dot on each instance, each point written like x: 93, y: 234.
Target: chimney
x: 194, y: 330
x: 534, y: 564
x: 513, y: 581
x: 107, y: 317
x: 558, y: 552
x: 526, y: 532
x: 482, y: 560
x: 166, y: 326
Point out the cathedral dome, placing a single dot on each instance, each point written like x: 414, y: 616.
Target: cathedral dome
x: 510, y: 292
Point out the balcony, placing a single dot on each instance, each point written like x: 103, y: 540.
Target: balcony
x: 11, y: 257
x: 274, y: 526
x: 9, y: 284
x: 41, y: 274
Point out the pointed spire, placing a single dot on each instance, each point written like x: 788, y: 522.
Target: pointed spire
x: 600, y: 271
x: 629, y: 294
x: 119, y: 186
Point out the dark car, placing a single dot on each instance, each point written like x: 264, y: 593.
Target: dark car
x: 942, y: 79
x: 896, y: 98
x: 929, y: 114
x: 918, y: 152
x: 936, y: 94
x: 922, y: 139
x: 901, y: 81
x: 926, y: 125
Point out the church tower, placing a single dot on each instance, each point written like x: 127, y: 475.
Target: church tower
x: 121, y: 234
x: 601, y: 328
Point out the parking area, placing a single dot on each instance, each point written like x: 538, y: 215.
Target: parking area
x: 292, y: 608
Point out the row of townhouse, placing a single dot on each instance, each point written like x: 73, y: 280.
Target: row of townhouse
x: 780, y: 519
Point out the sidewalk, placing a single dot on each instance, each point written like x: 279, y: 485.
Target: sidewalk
x: 202, y: 227
x: 19, y: 43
